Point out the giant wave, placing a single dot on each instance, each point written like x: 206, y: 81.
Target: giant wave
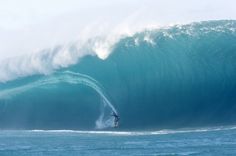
x: 179, y: 76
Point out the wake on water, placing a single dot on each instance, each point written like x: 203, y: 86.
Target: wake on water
x: 105, y: 120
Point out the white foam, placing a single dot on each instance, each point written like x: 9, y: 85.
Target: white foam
x: 140, y: 133
x: 100, y: 44
x: 61, y: 56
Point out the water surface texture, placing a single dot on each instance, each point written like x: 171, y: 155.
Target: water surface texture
x: 214, y: 141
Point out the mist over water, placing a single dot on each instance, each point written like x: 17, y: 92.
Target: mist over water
x: 171, y: 77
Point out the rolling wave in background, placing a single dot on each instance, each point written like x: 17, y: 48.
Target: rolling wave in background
x: 173, y: 77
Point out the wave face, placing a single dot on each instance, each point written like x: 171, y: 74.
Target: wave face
x: 180, y: 76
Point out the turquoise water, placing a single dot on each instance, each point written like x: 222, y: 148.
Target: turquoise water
x: 203, y: 142
x: 167, y: 78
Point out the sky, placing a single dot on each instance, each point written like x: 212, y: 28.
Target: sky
x: 28, y: 26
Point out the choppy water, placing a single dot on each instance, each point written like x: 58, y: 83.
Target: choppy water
x: 214, y: 141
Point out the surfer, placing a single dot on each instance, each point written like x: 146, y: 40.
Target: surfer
x: 116, y: 119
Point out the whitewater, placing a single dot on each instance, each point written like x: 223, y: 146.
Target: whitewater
x: 169, y: 77
x: 174, y: 88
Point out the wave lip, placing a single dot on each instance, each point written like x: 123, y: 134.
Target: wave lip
x: 175, y: 77
x: 62, y: 56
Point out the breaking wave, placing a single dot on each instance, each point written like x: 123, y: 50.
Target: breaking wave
x: 178, y: 76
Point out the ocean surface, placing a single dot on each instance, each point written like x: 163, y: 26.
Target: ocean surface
x: 203, y: 142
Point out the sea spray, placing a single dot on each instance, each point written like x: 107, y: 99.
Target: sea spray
x: 172, y: 77
x: 103, y: 121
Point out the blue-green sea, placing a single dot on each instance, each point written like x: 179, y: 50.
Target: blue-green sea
x: 166, y: 85
x: 217, y: 141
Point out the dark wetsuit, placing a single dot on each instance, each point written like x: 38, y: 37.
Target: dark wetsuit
x: 116, y: 119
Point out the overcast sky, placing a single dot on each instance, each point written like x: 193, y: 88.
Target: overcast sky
x: 31, y: 25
